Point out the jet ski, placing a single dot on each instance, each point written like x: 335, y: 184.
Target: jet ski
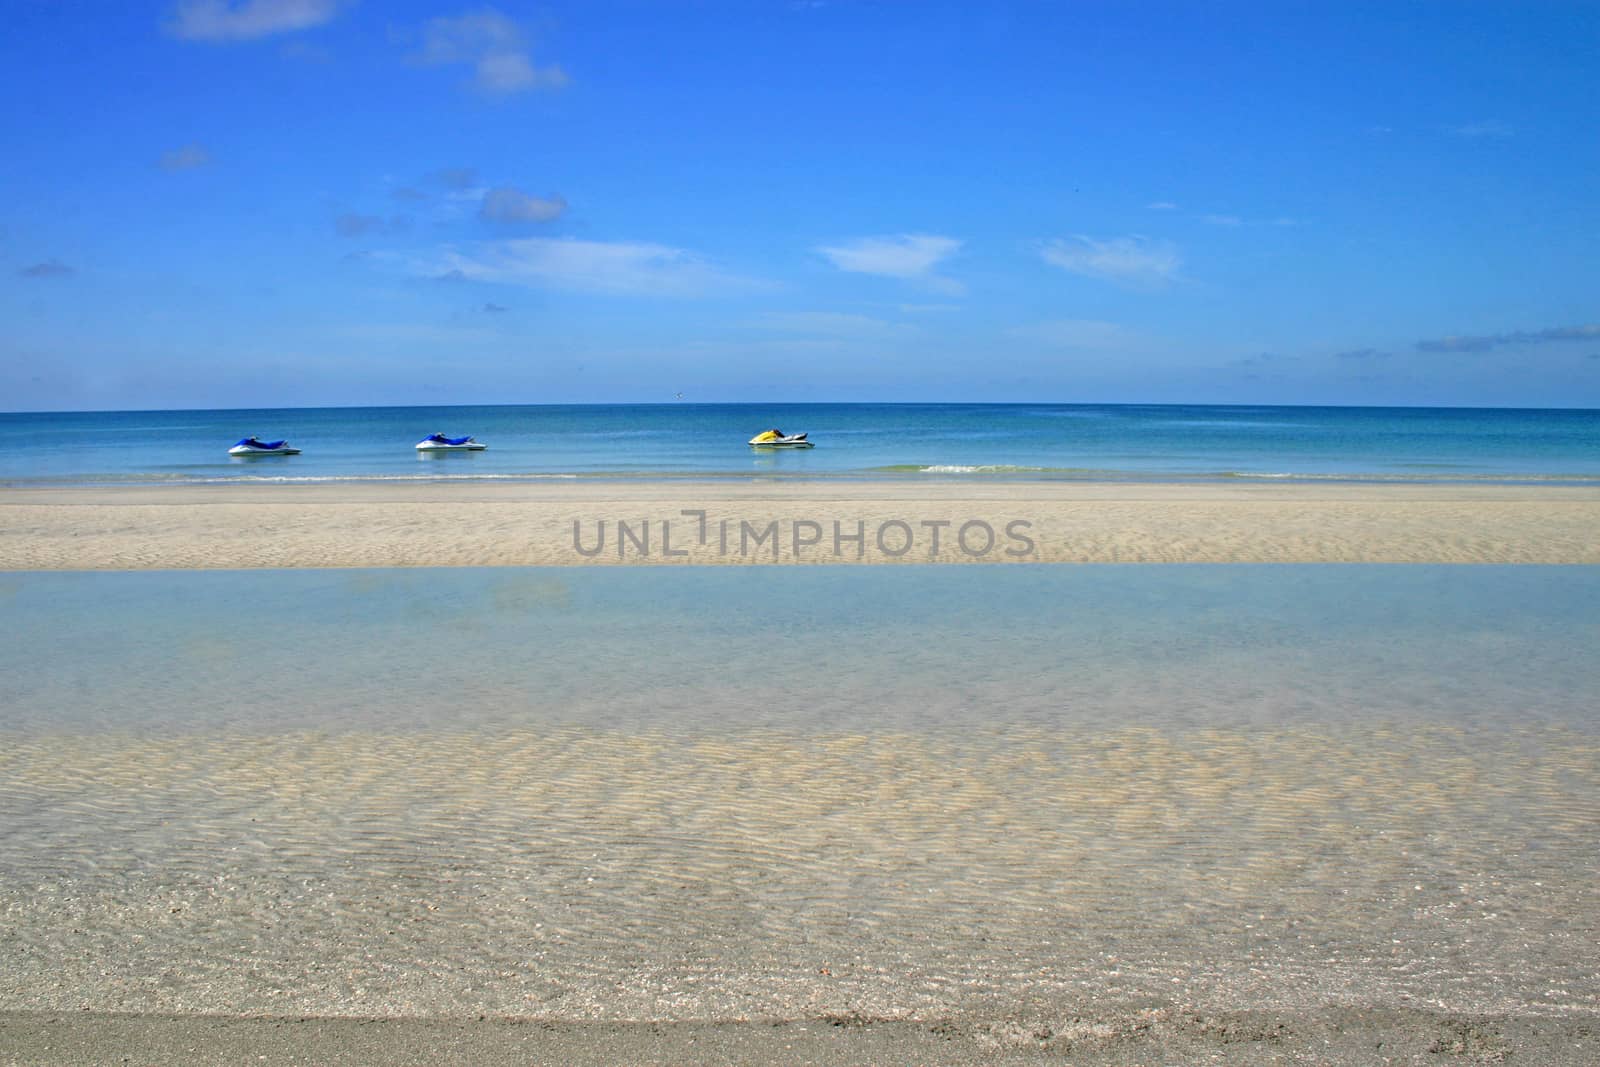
x: 438, y: 442
x: 254, y: 446
x: 779, y: 439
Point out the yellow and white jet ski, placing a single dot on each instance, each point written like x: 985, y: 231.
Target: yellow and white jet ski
x: 779, y: 439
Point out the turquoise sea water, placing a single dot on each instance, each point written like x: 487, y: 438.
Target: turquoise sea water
x: 817, y: 648
x: 916, y: 441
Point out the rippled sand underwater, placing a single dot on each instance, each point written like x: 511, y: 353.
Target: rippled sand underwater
x: 1232, y: 787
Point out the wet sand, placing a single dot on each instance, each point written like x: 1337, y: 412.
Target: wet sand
x: 1022, y: 874
x: 1331, y: 1037
x: 517, y: 525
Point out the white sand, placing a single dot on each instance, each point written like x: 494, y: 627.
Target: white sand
x: 515, y: 525
x: 584, y: 875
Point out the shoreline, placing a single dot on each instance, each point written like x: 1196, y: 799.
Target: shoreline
x: 1087, y: 1034
x: 682, y: 522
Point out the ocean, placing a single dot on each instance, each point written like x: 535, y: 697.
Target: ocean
x: 1159, y: 443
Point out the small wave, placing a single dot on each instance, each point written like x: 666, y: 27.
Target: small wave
x: 270, y: 479
x: 987, y: 468
x: 1378, y: 476
x: 317, y: 478
x: 980, y: 468
x: 892, y: 471
x: 378, y: 478
x: 1243, y: 424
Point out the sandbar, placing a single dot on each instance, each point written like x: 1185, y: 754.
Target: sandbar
x: 673, y: 522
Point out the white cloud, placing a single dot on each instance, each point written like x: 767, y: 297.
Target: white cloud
x: 1162, y: 205
x: 622, y: 267
x: 1221, y: 220
x: 495, y: 48
x: 186, y: 158
x: 910, y: 255
x: 1135, y: 260
x: 1076, y: 333
x: 508, y: 205
x: 224, y: 20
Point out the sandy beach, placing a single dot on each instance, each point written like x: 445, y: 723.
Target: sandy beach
x: 1330, y: 1038
x: 1389, y: 890
x: 739, y: 522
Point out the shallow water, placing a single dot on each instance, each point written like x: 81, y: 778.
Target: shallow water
x: 731, y: 792
x: 701, y: 650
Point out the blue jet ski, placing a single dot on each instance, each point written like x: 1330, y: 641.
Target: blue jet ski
x: 438, y: 442
x: 254, y: 446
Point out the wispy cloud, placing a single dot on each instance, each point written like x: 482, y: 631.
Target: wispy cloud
x: 1491, y: 129
x: 305, y: 52
x: 506, y: 206
x: 186, y: 158
x: 1086, y: 334
x: 455, y: 177
x: 619, y: 267
x: 1131, y: 260
x: 48, y: 268
x: 1361, y: 353
x: 492, y: 308
x: 1162, y: 205
x: 832, y: 324
x: 417, y: 332
x: 494, y: 46
x: 352, y: 224
x: 1230, y: 221
x: 1262, y: 360
x: 222, y: 20
x: 1486, y: 342
x: 910, y: 256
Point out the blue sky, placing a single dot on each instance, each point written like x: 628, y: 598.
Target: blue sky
x: 308, y: 202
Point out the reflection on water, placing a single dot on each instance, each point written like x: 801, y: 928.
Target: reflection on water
x: 721, y: 793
